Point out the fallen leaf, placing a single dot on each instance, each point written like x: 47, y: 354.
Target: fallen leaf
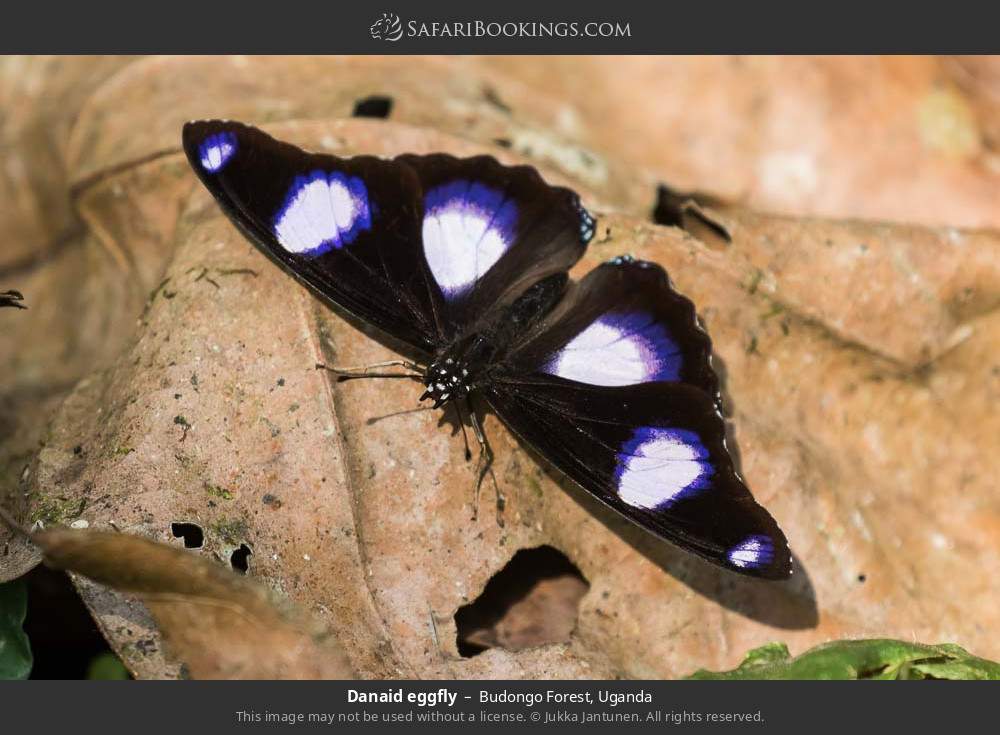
x: 220, y: 625
x: 372, y: 503
x: 81, y: 308
x: 900, y: 138
x: 533, y: 601
x: 41, y: 97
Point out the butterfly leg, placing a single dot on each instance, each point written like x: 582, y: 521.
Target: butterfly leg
x: 370, y: 371
x: 465, y: 437
x: 484, y: 466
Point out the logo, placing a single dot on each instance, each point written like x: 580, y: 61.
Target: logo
x: 387, y: 28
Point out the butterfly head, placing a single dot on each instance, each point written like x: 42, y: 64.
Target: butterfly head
x: 446, y: 379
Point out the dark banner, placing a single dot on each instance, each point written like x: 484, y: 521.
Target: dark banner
x: 221, y: 707
x: 515, y: 27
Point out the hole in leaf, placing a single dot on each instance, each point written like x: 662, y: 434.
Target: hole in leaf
x: 491, y: 96
x: 532, y: 601
x: 240, y: 559
x: 192, y: 534
x: 12, y: 298
x: 685, y: 210
x: 375, y: 106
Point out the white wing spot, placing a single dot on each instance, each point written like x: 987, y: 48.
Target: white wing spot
x: 618, y: 350
x: 754, y: 551
x: 322, y: 211
x: 658, y: 466
x: 466, y: 229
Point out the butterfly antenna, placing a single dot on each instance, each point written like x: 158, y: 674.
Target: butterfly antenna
x: 375, y: 419
x: 374, y: 371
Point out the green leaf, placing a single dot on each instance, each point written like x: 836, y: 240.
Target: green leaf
x: 107, y: 667
x: 15, y: 653
x: 866, y: 659
x: 769, y: 653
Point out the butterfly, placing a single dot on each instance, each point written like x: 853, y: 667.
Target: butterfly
x: 464, y: 261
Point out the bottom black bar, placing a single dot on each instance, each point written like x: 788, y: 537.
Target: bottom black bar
x: 417, y: 706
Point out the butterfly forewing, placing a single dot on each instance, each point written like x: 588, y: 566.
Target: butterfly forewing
x: 489, y: 232
x: 348, y: 228
x: 420, y: 246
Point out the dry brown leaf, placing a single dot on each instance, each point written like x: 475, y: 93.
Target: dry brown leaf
x: 445, y: 94
x: 533, y: 601
x: 906, y: 293
x: 220, y: 625
x: 46, y: 254
x: 909, y: 139
x: 40, y: 97
x: 530, y: 621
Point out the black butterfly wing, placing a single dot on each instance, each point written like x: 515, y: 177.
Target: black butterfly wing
x: 490, y: 231
x: 622, y: 324
x: 347, y: 228
x: 616, y: 390
x: 419, y: 246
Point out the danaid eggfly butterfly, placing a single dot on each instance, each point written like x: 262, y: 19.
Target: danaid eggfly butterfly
x: 464, y: 261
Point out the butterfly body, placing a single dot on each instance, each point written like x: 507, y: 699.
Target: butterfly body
x: 464, y: 262
x: 477, y: 359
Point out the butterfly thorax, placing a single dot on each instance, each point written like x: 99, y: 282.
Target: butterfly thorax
x: 446, y: 379
x: 475, y: 357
